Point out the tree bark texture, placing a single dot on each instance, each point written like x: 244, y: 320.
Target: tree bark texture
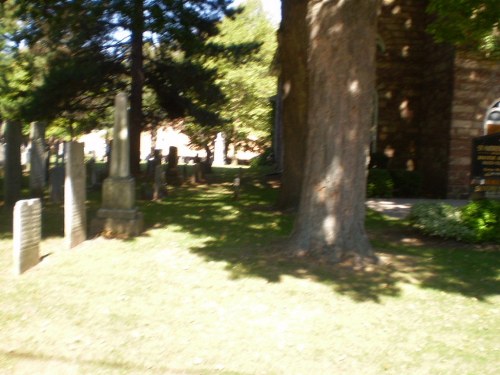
x: 137, y: 74
x: 341, y: 71
x: 13, y: 169
x: 294, y: 95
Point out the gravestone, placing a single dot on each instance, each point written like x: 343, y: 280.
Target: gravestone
x: 159, y: 189
x: 56, y: 184
x: 38, y: 159
x: 118, y: 215
x: 172, y: 174
x: 91, y: 172
x: 237, y: 184
x: 219, y: 159
x: 154, y: 159
x: 75, y: 217
x: 26, y: 234
x: 12, y: 167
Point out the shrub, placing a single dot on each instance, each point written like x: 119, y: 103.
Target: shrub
x: 475, y: 222
x: 483, y: 217
x: 266, y: 158
x: 379, y: 183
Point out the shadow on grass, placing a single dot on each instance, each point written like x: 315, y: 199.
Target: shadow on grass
x: 97, y: 365
x: 250, y: 237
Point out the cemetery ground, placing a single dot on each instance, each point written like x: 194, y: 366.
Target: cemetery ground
x: 208, y: 289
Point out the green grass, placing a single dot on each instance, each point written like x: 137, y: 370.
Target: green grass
x: 208, y: 289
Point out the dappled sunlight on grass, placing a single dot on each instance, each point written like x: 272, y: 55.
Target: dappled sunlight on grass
x: 209, y: 288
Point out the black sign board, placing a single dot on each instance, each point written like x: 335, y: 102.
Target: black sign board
x: 486, y: 157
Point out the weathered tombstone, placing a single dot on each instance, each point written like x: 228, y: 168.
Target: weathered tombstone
x: 38, y: 159
x: 75, y: 217
x: 236, y: 185
x: 159, y: 190
x: 13, y: 170
x: 172, y: 158
x: 172, y: 174
x: 154, y: 159
x: 118, y: 215
x: 26, y: 234
x: 219, y: 159
x: 91, y: 172
x: 56, y: 184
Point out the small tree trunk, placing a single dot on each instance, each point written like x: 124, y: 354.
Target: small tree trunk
x: 13, y: 169
x: 137, y: 74
x: 341, y: 64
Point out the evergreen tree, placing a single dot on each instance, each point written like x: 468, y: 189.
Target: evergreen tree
x: 74, y: 32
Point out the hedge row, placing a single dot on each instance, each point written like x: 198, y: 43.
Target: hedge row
x: 478, y: 221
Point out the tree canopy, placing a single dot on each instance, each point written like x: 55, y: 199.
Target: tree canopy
x: 471, y: 24
x: 246, y: 79
x: 94, y: 47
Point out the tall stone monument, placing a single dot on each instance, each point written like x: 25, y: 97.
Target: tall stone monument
x: 38, y: 159
x: 118, y: 215
x: 219, y: 159
x: 12, y: 168
x: 75, y: 216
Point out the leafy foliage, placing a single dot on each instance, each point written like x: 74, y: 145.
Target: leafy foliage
x: 473, y: 24
x: 89, y: 56
x: 476, y: 222
x: 245, y: 76
x: 379, y: 183
x: 484, y: 218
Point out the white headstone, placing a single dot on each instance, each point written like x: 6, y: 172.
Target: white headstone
x: 219, y: 150
x: 27, y: 234
x: 75, y: 218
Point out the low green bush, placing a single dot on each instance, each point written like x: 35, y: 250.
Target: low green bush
x: 483, y: 217
x: 476, y: 222
x: 379, y: 183
x: 266, y: 158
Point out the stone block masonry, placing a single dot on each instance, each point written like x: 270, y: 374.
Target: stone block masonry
x: 477, y: 86
x: 27, y: 234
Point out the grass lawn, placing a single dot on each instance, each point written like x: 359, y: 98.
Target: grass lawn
x: 208, y: 289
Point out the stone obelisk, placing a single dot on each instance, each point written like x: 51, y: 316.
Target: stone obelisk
x: 118, y: 215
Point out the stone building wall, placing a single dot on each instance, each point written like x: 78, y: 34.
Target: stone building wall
x: 476, y: 87
x: 400, y: 79
x: 432, y: 100
x: 415, y: 84
x: 434, y: 143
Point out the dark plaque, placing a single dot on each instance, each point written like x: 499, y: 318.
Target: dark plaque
x: 486, y: 157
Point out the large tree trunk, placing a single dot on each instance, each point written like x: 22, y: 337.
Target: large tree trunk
x: 13, y: 169
x: 137, y: 74
x: 294, y: 96
x: 341, y: 67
